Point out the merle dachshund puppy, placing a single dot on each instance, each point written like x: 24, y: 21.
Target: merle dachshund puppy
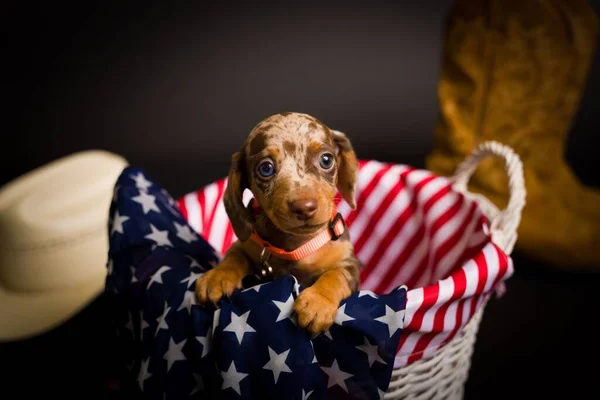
x: 293, y: 164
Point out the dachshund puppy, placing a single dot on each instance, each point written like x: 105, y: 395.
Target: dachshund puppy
x: 292, y: 163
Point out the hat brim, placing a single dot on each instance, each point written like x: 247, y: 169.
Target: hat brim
x: 56, y: 263
x: 25, y: 315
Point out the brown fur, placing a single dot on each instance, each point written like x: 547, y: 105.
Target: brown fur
x: 294, y: 143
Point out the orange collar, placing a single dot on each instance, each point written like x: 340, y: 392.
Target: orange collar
x: 334, y: 230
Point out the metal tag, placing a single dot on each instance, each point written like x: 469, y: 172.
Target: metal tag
x: 266, y: 271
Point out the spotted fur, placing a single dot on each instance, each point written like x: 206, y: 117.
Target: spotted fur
x: 294, y: 143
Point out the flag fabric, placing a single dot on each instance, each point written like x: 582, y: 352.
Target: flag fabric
x: 249, y: 346
x: 410, y: 228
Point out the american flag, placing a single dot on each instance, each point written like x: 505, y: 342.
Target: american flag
x: 410, y: 228
x: 250, y: 345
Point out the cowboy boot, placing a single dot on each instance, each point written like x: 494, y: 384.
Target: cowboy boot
x: 514, y: 72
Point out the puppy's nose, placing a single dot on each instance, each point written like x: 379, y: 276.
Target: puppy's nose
x: 304, y: 209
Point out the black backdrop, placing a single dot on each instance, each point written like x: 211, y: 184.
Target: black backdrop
x: 176, y: 90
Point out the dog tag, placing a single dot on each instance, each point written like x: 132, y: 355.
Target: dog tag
x: 266, y: 271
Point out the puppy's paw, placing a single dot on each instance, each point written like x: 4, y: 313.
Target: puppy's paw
x: 216, y: 283
x: 315, y: 312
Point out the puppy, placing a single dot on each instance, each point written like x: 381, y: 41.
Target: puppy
x: 292, y: 163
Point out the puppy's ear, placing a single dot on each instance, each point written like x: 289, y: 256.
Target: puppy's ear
x: 237, y: 181
x: 347, y: 169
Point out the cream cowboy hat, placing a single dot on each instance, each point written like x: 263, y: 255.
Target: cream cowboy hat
x: 54, y: 241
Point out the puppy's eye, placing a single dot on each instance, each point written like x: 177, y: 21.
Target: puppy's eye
x: 326, y: 161
x: 266, y: 169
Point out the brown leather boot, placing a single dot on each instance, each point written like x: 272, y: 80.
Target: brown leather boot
x: 514, y: 72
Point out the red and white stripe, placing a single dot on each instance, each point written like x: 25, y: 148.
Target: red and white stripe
x: 409, y: 228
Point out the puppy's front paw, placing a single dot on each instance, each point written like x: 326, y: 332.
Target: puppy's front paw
x: 216, y: 283
x: 315, y: 311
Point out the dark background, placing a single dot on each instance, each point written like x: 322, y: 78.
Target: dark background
x: 176, y: 91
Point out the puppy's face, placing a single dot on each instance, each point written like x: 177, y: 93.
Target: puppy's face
x: 293, y: 172
x: 293, y: 164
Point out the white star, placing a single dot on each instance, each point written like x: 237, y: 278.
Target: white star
x: 393, y: 319
x: 199, y: 384
x: 185, y: 233
x: 161, y: 238
x: 314, y: 360
x: 256, y: 288
x: 305, y: 396
x: 336, y: 376
x: 117, y: 225
x: 174, y: 353
x: 133, y: 278
x: 191, y: 279
x: 371, y: 351
x: 232, y: 379
x: 193, y: 262
x: 168, y: 196
x: 189, y: 300
x: 140, y: 181
x: 239, y: 326
x: 285, y: 309
x: 129, y: 324
x: 144, y: 374
x: 296, y: 287
x: 143, y: 324
x: 216, y: 322
x: 341, y: 316
x: 367, y: 293
x: 114, y: 289
x: 277, y: 363
x: 109, y: 267
x: 205, y: 344
x: 326, y: 333
x: 162, y: 321
x: 147, y: 201
x: 157, y: 276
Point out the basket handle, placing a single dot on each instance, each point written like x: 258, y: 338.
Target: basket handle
x: 504, y: 226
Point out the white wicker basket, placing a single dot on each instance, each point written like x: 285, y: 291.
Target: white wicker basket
x: 443, y: 375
